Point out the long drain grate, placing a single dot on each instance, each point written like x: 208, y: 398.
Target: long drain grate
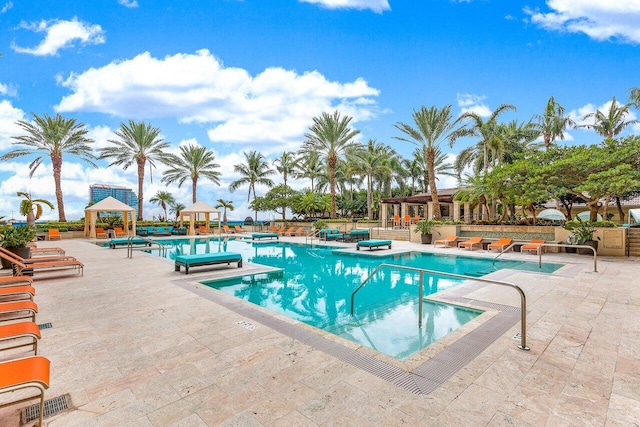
x: 423, y: 380
x: 51, y: 407
x: 47, y: 325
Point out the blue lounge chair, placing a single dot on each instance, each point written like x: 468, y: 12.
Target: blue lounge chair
x: 259, y: 236
x: 196, y: 260
x: 373, y: 244
x: 113, y: 243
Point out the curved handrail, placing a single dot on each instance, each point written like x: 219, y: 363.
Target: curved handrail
x: 553, y: 245
x: 422, y: 271
x: 161, y: 247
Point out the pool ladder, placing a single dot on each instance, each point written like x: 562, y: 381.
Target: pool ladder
x: 131, y: 248
x: 422, y: 271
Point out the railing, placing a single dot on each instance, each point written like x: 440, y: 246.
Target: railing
x: 131, y: 248
x: 422, y: 271
x: 553, y: 245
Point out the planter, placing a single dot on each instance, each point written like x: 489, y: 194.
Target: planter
x: 24, y: 252
x: 426, y: 238
x: 570, y: 250
x: 585, y: 251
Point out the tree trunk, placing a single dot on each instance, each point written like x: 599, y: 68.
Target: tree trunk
x: 620, y: 211
x: 56, y: 163
x: 194, y: 186
x: 141, y: 164
x: 369, y: 197
x: 431, y: 155
x: 333, y: 164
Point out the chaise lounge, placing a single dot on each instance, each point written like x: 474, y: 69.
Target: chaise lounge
x: 447, y: 242
x: 21, y: 268
x: 533, y: 246
x: 20, y: 331
x: 260, y: 236
x: 469, y: 244
x: 196, y: 260
x: 25, y: 373
x: 500, y: 244
x: 373, y: 244
x: 124, y: 241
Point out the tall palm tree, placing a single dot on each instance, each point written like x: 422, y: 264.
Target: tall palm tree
x: 53, y: 136
x: 310, y: 167
x: 225, y: 204
x: 330, y: 135
x: 163, y: 199
x: 286, y: 165
x: 432, y: 127
x: 254, y: 171
x: 612, y: 123
x: 175, y: 208
x: 372, y: 162
x: 193, y: 162
x: 552, y: 123
x: 32, y: 208
x: 140, y: 143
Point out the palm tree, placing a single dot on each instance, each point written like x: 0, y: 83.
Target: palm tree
x: 54, y: 136
x: 634, y: 97
x: 194, y: 161
x: 140, y: 143
x: 225, y: 204
x: 552, y: 123
x: 254, y: 171
x: 432, y: 127
x: 163, y: 199
x: 175, y: 208
x: 330, y: 136
x: 32, y: 208
x: 372, y: 162
x: 612, y: 123
x: 286, y: 165
x: 310, y: 167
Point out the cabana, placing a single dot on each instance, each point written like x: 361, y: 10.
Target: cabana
x: 108, y: 205
x: 192, y: 211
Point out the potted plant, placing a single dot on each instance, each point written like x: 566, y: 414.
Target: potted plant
x: 424, y: 228
x: 16, y: 239
x: 582, y: 234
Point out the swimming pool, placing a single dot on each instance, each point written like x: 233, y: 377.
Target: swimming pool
x: 314, y: 285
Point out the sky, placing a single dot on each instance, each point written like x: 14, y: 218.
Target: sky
x: 235, y: 76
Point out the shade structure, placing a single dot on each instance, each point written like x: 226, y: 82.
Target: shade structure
x: 108, y: 205
x: 192, y: 211
x: 552, y: 215
x: 584, y: 216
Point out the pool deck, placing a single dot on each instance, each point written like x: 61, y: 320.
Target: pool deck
x: 136, y: 344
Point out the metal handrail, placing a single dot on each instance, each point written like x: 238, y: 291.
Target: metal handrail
x: 130, y: 248
x: 553, y: 245
x: 422, y: 271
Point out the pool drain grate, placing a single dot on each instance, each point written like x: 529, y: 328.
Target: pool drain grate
x: 246, y: 325
x: 45, y: 326
x: 51, y: 407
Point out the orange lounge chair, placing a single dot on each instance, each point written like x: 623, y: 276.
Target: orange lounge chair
x: 19, y: 266
x: 15, y: 280
x: 299, y: 232
x: 120, y: 232
x: 500, y: 244
x: 47, y: 258
x: 20, y: 331
x: 286, y: 231
x: 469, y: 244
x: 46, y: 251
x: 239, y: 229
x: 17, y: 293
x: 447, y: 242
x: 15, y: 310
x: 25, y: 373
x: 533, y: 246
x: 54, y: 234
x: 101, y: 234
x: 227, y: 230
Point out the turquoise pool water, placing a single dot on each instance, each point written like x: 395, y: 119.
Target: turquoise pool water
x: 314, y: 285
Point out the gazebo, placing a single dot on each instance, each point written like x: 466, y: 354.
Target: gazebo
x: 108, y: 205
x: 192, y: 211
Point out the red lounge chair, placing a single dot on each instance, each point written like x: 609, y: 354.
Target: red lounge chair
x: 26, y: 373
x: 469, y: 244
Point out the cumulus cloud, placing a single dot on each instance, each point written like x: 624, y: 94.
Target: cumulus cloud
x: 273, y: 108
x: 473, y: 103
x: 8, y: 5
x: 600, y: 20
x: 61, y: 34
x: 8, y: 90
x: 128, y: 3
x: 9, y: 115
x: 578, y: 114
x: 377, y: 6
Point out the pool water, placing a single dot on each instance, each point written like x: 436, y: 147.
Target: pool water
x: 314, y: 285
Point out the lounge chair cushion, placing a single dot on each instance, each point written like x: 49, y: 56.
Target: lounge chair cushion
x: 373, y: 244
x: 258, y: 236
x: 125, y: 240
x: 195, y: 260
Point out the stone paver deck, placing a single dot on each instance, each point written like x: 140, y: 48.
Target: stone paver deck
x: 136, y: 344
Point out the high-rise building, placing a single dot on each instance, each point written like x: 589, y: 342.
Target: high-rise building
x: 98, y: 192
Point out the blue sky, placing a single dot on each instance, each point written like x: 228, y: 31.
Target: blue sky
x: 241, y: 75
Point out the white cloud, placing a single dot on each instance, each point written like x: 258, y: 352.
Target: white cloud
x: 600, y: 20
x: 473, y: 103
x: 60, y: 34
x: 578, y: 114
x: 128, y: 3
x: 377, y: 6
x: 8, y: 5
x: 9, y: 115
x: 8, y: 90
x: 273, y: 108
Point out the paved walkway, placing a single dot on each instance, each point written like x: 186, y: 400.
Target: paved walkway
x: 135, y: 344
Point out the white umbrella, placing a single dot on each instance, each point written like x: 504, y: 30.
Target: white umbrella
x: 584, y: 216
x: 552, y: 215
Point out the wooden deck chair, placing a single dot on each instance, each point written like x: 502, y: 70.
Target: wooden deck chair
x: 120, y: 232
x: 20, y: 331
x: 101, y: 234
x: 447, y: 242
x: 300, y: 231
x: 25, y: 374
x: 532, y: 246
x: 227, y: 230
x: 239, y: 229
x: 469, y: 244
x: 19, y: 267
x: 17, y: 293
x: 54, y: 234
x: 500, y: 244
x: 44, y: 258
